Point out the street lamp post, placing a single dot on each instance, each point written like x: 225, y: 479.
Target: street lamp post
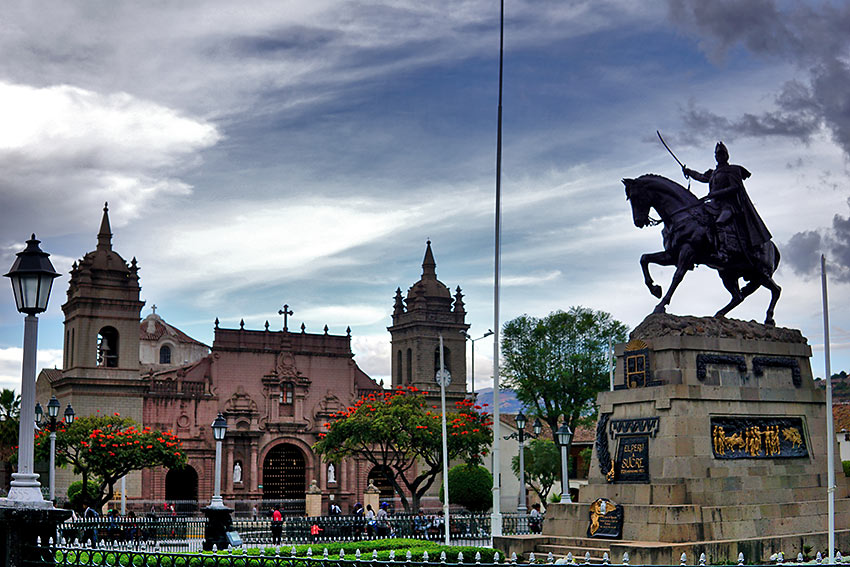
x: 32, y: 277
x: 564, y: 436
x: 520, y: 436
x: 219, y: 523
x: 52, y: 425
x: 219, y: 427
x: 469, y: 337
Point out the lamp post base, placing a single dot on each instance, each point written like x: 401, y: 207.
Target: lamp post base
x: 25, y: 492
x: 218, y: 524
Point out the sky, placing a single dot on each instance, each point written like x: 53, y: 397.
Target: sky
x: 268, y: 153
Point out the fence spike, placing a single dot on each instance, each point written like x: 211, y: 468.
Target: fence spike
x: 683, y: 560
x: 309, y: 552
x: 531, y: 558
x: 550, y: 558
x: 408, y: 556
x: 625, y: 558
x: 513, y: 558
x: 392, y: 555
x: 740, y: 558
x: 569, y: 558
x: 374, y: 555
x: 38, y: 541
x: 702, y: 558
x: 293, y: 552
x: 460, y: 557
x: 478, y: 558
x: 819, y: 558
x: 442, y: 557
x: 342, y: 553
x: 496, y: 558
x: 587, y: 558
x: 838, y: 557
x: 357, y: 554
x: 605, y: 559
x: 325, y: 555
x: 800, y: 557
x: 780, y: 558
x: 424, y: 556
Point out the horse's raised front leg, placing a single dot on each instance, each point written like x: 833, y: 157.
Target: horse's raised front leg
x: 685, y: 263
x: 662, y: 259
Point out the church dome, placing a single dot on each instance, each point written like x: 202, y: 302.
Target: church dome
x: 428, y: 285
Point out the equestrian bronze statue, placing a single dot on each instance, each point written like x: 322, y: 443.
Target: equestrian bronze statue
x: 721, y: 230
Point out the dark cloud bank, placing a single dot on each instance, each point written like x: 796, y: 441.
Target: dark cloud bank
x: 814, y: 38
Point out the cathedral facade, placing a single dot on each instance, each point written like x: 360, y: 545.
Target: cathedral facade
x: 276, y: 388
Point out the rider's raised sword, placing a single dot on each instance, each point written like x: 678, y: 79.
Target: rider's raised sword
x: 671, y: 152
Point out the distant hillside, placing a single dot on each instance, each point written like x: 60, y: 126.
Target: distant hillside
x: 840, y: 386
x: 507, y: 400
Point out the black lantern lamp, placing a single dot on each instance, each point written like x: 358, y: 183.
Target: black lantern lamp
x: 219, y: 427
x: 69, y: 415
x: 521, y: 420
x: 38, y: 413
x: 538, y: 427
x: 53, y: 408
x: 32, y: 276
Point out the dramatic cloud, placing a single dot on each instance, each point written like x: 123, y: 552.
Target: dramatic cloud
x: 803, y: 250
x: 63, y: 147
x: 808, y: 36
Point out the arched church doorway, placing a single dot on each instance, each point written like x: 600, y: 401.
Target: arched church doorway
x: 181, y: 489
x: 284, y: 475
x: 378, y: 477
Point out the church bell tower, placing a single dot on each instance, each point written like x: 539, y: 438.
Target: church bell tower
x: 418, y: 321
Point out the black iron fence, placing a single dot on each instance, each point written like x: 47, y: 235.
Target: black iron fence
x: 108, y: 555
x: 187, y: 532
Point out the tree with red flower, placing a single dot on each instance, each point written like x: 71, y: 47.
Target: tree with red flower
x: 397, y: 433
x: 102, y: 449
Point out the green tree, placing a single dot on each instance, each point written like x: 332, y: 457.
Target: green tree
x: 542, y: 466
x: 470, y: 486
x: 397, y: 432
x: 102, y: 449
x: 557, y: 364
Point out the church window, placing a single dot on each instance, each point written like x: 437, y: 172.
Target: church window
x: 71, y: 356
x: 446, y: 359
x: 409, y: 365
x: 398, y: 368
x: 107, y: 347
x: 287, y: 393
x: 165, y: 354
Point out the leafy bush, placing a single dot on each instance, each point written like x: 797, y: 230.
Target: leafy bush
x: 75, y: 494
x: 470, y: 486
x: 846, y: 465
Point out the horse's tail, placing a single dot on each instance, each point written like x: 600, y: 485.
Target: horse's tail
x: 776, y: 256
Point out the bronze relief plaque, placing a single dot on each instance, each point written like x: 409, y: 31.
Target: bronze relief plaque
x: 758, y: 437
x: 606, y: 519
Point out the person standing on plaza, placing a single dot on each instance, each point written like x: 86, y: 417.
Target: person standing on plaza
x: 277, y: 525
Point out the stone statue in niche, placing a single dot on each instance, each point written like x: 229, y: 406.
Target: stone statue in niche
x: 237, y: 472
x: 331, y: 474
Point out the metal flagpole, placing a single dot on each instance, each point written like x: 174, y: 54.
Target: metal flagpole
x: 442, y: 378
x: 830, y: 433
x: 496, y: 517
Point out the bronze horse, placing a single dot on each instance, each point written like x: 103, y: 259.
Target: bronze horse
x: 688, y: 240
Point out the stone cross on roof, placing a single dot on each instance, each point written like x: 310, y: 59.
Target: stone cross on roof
x: 286, y: 311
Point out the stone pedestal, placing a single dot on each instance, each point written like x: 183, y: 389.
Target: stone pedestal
x: 21, y: 527
x: 313, y: 500
x: 372, y: 496
x: 715, y: 432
